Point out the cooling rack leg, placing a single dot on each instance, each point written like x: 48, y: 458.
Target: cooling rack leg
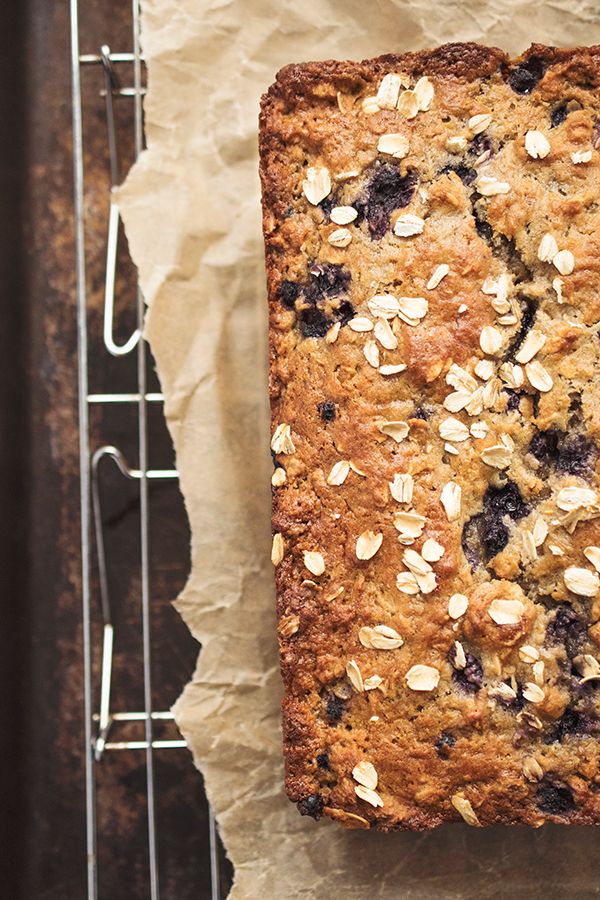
x: 144, y: 512
x: 82, y: 375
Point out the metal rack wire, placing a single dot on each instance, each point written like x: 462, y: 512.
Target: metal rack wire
x: 99, y: 725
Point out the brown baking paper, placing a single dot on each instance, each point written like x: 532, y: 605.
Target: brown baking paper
x: 192, y: 211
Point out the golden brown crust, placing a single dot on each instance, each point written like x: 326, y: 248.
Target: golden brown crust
x: 521, y: 759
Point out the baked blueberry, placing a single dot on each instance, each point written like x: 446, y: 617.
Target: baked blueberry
x: 469, y: 679
x: 311, y: 806
x: 523, y: 78
x: 288, y: 293
x: 554, y: 798
x: 386, y: 191
x: 566, y: 627
x: 327, y: 410
x: 313, y: 322
x: 444, y: 743
x: 334, y: 709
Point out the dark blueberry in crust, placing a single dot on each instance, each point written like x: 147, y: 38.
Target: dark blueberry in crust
x: 576, y: 454
x: 529, y: 310
x: 327, y: 203
x: 323, y: 760
x: 522, y: 79
x: 311, y: 806
x: 444, y: 744
x: 486, y: 534
x: 572, y: 722
x: 554, y: 798
x: 481, y: 143
x: 288, y: 293
x: 514, y: 398
x: 326, y: 280
x: 558, y: 114
x: 386, y: 191
x: 466, y: 174
x: 572, y: 454
x: 484, y: 229
x: 544, y: 446
x: 421, y: 413
x: 469, y: 679
x: 566, y: 628
x: 313, y: 322
x: 345, y: 312
x: 505, y: 500
x: 334, y: 709
x: 327, y: 410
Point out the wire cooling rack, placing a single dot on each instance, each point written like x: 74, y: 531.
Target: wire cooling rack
x: 102, y: 723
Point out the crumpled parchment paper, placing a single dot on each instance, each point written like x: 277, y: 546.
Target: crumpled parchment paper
x: 192, y: 213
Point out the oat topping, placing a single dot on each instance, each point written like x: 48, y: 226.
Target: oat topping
x: 452, y: 429
x: 367, y: 544
x: 401, y: 488
x: 533, y: 692
x: 490, y: 340
x: 529, y: 654
x: 506, y: 612
x: 380, y: 637
x: 371, y: 352
x: 341, y: 237
x: 432, y: 551
x: 384, y: 305
x: 317, y: 184
x: 314, y: 562
x: 396, y: 430
x: 389, y: 90
x: 368, y: 795
x: 343, y: 215
x: 593, y: 555
x: 410, y: 525
x: 408, y: 225
x: 360, y: 324
x: 365, y: 773
x: 479, y: 123
x: 575, y: 497
x: 332, y: 333
x: 538, y: 376
x: 339, y: 473
x: 463, y: 806
x: 282, y: 442
x: 439, y: 273
x: 582, y: 581
x: 407, y: 583
x: 395, y: 145
x: 532, y: 769
x: 451, y: 500
x: 424, y: 92
x: 422, y: 678
x: 488, y: 186
x: 277, y: 549
x: 354, y: 676
x: 548, y: 248
x: 537, y: 144
x: 408, y: 104
x: 532, y: 344
x: 581, y: 156
x: 392, y: 370
x: 456, y: 143
x: 385, y: 335
x: 412, y: 309
x: 587, y: 666
x: 564, y: 261
x: 457, y: 605
x: 279, y: 477
x: 288, y: 626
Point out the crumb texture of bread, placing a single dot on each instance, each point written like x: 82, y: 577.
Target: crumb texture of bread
x: 432, y: 239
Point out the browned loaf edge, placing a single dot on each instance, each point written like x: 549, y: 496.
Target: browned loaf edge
x: 509, y: 734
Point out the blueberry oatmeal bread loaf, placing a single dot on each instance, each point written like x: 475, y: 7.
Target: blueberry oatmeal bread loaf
x: 432, y: 230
